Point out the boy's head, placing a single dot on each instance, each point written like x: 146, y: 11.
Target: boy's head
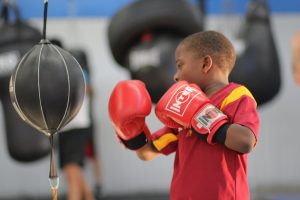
x: 204, y: 58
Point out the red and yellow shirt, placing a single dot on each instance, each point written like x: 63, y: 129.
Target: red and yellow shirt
x: 211, y: 172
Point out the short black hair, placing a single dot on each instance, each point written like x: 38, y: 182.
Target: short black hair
x: 214, y: 44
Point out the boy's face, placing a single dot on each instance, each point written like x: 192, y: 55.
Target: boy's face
x: 188, y: 66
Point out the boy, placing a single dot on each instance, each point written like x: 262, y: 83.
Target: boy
x: 210, y: 123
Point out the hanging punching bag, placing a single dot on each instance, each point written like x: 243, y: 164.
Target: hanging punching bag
x: 47, y: 89
x: 16, y: 38
x: 258, y: 66
x: 143, y: 37
x: 152, y: 61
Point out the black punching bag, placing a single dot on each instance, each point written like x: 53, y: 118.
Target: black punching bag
x: 152, y: 61
x: 47, y: 90
x: 143, y: 37
x: 258, y: 66
x: 16, y: 38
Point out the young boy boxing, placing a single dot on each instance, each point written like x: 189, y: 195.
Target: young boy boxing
x: 211, y: 124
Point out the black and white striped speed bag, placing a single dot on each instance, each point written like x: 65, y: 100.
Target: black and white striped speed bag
x: 47, y: 87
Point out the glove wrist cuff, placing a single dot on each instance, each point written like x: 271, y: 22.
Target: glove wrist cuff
x: 221, y: 133
x: 137, y: 142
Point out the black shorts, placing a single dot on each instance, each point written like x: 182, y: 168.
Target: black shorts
x: 72, y: 146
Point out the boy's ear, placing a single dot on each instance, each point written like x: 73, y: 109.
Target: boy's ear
x: 207, y: 63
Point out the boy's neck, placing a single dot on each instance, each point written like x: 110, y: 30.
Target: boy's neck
x: 210, y: 89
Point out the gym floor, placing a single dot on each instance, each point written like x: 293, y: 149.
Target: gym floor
x: 133, y: 197
x: 156, y: 197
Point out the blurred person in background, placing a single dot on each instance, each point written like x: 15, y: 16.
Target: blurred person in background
x: 72, y: 151
x: 295, y: 44
x: 73, y: 141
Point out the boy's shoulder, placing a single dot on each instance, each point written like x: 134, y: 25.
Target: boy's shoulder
x: 228, y: 89
x: 235, y: 89
x: 231, y: 93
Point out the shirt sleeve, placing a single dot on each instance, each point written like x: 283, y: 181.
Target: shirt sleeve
x: 165, y: 140
x: 243, y: 111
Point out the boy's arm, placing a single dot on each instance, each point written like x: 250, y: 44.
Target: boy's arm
x: 242, y: 132
x: 163, y: 141
x: 147, y: 152
x: 129, y: 104
x: 240, y: 138
x: 235, y: 137
x: 185, y: 105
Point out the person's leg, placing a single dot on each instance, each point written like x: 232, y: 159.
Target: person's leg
x: 73, y: 175
x: 97, y: 169
x: 98, y: 182
x: 87, y: 192
x: 78, y: 188
x: 71, y: 145
x: 90, y: 153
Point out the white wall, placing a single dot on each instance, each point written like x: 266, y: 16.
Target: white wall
x: 274, y: 161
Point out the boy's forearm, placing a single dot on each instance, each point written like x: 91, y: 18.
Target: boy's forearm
x: 240, y: 138
x: 147, y: 152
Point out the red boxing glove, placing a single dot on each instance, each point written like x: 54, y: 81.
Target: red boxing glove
x: 129, y: 104
x: 184, y: 105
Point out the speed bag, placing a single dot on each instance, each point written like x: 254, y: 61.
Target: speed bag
x: 25, y: 144
x: 258, y: 67
x: 143, y: 37
x: 47, y: 87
